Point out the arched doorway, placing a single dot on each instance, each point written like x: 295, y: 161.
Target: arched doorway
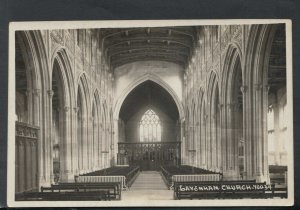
x: 150, y: 118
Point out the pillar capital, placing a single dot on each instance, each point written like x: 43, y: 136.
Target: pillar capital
x: 36, y: 92
x: 76, y: 109
x: 230, y: 106
x: 66, y: 108
x: 50, y: 93
x: 244, y: 89
x: 83, y: 119
x: 58, y: 109
x: 205, y: 117
x: 220, y: 106
x: 28, y: 92
x: 258, y: 86
x: 267, y: 88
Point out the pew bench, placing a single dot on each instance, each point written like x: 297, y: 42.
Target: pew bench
x: 113, y: 189
x: 65, y: 196
x: 222, y: 190
x: 280, y: 191
x: 125, y: 175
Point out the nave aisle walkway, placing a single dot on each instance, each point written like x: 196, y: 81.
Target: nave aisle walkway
x: 149, y: 185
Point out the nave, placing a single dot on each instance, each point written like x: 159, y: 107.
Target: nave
x: 99, y: 110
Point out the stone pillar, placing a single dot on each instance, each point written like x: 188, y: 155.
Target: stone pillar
x: 213, y: 139
x: 203, y: 151
x: 84, y: 145
x: 36, y: 107
x: 100, y: 145
x: 91, y: 143
x: 66, y: 154
x: 107, y: 147
x: 244, y: 90
x: 208, y: 143
x: 223, y: 137
x: 48, y: 155
x: 229, y: 156
x: 260, y: 141
x: 183, y: 142
x: 248, y: 124
x: 265, y: 134
x: 276, y: 139
x: 115, y: 138
x: 75, y: 145
x: 95, y: 143
x: 220, y: 134
x: 235, y: 141
x: 198, y: 143
x: 36, y: 122
x: 29, y: 94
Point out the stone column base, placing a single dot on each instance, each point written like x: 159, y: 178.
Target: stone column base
x: 67, y: 177
x: 44, y: 182
x: 263, y: 178
x: 231, y: 175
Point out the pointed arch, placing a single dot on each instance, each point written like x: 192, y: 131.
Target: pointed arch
x: 139, y: 81
x: 256, y: 64
x: 213, y: 99
x: 32, y: 49
x: 84, y: 123
x: 66, y: 75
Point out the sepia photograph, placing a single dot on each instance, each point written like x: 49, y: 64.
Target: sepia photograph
x: 150, y: 113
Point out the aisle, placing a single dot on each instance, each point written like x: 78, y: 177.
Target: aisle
x: 149, y: 185
x: 149, y: 180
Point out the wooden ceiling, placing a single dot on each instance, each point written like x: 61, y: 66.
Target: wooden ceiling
x: 173, y: 44
x: 277, y: 61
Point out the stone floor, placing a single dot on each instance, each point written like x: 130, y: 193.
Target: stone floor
x: 149, y: 185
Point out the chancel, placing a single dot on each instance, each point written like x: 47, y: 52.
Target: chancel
x: 173, y: 112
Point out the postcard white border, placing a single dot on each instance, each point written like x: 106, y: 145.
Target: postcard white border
x: 48, y: 25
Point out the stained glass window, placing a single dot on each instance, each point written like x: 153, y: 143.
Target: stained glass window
x: 150, y: 127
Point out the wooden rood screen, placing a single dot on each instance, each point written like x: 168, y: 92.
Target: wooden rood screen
x: 149, y: 156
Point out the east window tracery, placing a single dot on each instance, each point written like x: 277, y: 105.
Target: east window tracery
x: 150, y: 127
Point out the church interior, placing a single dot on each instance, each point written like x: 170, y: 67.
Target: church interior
x: 148, y: 108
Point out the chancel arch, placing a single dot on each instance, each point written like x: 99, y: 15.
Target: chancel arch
x: 150, y: 77
x: 150, y: 104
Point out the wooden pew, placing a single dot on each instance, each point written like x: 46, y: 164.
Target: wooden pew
x: 125, y: 175
x: 64, y: 196
x: 113, y: 188
x: 223, y: 190
x: 75, y: 191
x: 187, y: 173
x: 280, y: 191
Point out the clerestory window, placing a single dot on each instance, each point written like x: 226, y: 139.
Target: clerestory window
x: 150, y: 127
